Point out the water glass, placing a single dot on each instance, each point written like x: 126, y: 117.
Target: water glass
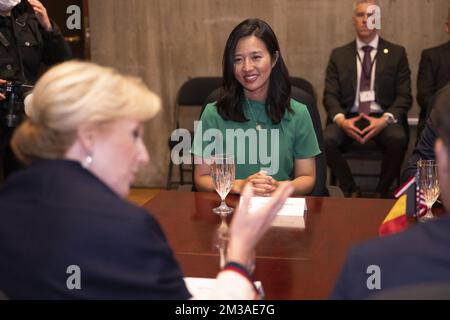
x: 428, y: 184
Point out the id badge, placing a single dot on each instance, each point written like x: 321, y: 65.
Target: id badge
x: 367, y: 96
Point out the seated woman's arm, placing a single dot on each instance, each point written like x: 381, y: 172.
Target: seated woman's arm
x: 305, y: 176
x: 303, y: 182
x: 202, y: 177
x: 263, y: 185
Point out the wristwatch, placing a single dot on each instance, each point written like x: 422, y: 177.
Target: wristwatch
x: 389, y: 119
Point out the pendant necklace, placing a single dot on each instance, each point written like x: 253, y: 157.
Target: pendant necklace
x: 258, y: 125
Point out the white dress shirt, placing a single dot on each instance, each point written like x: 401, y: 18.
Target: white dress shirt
x: 374, y: 107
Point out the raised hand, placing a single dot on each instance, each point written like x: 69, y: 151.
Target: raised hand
x: 2, y: 96
x: 247, y: 228
x: 41, y: 14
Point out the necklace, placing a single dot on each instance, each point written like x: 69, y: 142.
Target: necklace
x: 258, y: 125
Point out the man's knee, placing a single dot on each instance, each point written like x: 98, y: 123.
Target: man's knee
x: 395, y: 139
x: 398, y: 142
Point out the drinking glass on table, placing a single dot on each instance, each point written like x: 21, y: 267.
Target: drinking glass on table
x: 428, y: 184
x: 222, y: 174
x: 222, y: 242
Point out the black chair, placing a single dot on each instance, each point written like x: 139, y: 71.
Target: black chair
x: 305, y: 98
x: 305, y: 85
x: 356, y: 151
x: 191, y: 94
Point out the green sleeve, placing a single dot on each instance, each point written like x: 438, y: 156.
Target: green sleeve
x: 306, y: 145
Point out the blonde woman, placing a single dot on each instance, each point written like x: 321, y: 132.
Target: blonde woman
x: 83, y: 144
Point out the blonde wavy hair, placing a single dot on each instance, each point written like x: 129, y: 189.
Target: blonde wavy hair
x: 78, y: 93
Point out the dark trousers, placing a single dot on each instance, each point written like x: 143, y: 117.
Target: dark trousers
x: 393, y: 141
x: 8, y: 162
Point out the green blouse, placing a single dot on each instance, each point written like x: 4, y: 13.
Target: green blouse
x: 272, y: 148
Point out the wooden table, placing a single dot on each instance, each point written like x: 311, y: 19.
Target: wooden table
x: 291, y: 263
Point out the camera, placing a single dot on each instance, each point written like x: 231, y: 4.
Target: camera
x: 12, y: 108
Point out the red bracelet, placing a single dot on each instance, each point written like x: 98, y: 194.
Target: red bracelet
x: 236, y: 267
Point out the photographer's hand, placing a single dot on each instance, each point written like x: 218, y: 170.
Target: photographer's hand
x: 41, y: 14
x: 2, y: 96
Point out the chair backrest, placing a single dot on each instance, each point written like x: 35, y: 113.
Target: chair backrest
x: 305, y: 85
x: 193, y: 93
x: 305, y: 98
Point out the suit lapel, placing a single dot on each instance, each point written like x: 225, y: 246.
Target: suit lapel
x: 382, y: 55
x: 352, y: 64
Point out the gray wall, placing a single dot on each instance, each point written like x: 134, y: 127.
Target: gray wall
x: 167, y: 41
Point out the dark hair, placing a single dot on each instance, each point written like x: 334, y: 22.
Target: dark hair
x: 229, y: 105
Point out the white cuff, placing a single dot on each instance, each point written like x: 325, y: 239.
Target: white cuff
x: 231, y: 285
x: 338, y: 115
x: 390, y: 115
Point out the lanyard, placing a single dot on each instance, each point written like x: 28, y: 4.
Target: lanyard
x: 367, y: 76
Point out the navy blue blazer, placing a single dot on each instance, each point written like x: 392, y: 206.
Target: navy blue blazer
x: 56, y: 214
x: 419, y: 255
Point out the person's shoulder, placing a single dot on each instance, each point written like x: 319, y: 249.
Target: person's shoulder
x: 298, y: 107
x: 402, y: 245
x: 210, y: 110
x: 344, y: 48
x: 386, y: 46
x: 122, y: 214
x: 417, y: 250
x: 27, y: 17
x: 434, y: 50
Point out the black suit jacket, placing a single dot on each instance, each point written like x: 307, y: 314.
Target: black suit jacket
x: 420, y: 255
x: 434, y: 74
x: 392, y: 80
x: 425, y: 145
x: 56, y: 214
x: 424, y: 148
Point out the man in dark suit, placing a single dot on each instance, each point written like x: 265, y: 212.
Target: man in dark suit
x: 367, y: 96
x: 425, y: 146
x: 434, y: 73
x: 418, y: 257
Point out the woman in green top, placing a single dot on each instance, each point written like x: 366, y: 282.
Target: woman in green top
x: 270, y: 135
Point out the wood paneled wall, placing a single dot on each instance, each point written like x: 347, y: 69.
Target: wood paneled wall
x: 167, y: 41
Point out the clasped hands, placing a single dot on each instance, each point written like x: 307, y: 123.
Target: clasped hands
x: 376, y: 125
x: 262, y: 184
